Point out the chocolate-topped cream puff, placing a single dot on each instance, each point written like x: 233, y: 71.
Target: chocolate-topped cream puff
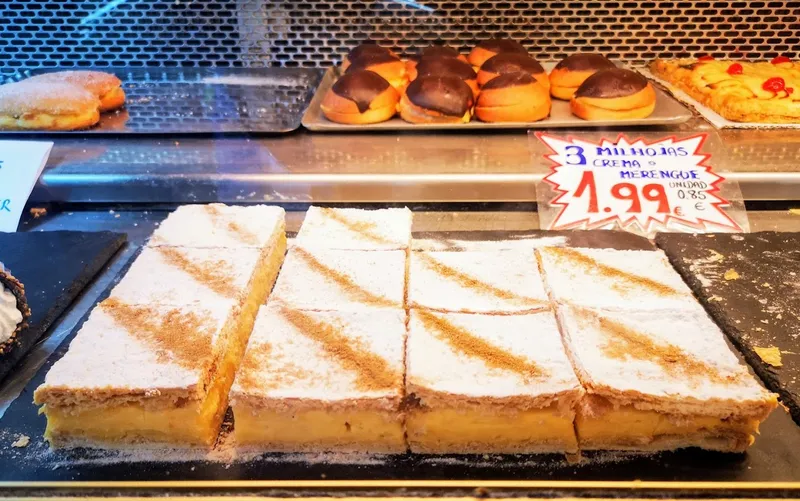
x: 432, y: 66
x: 512, y: 63
x: 363, y: 50
x: 614, y: 94
x: 441, y: 51
x: 360, y: 97
x: 489, y: 48
x: 433, y: 51
x: 437, y: 99
x: 386, y: 65
x: 513, y: 97
x: 571, y: 72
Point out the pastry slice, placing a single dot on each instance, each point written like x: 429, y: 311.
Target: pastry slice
x: 504, y: 282
x: 219, y: 225
x: 144, y: 374
x: 382, y: 229
x: 615, y: 279
x: 185, y: 275
x: 14, y: 310
x: 327, y: 279
x: 489, y: 384
x: 322, y: 381
x: 660, y: 381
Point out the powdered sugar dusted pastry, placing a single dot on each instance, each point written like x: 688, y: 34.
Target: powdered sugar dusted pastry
x: 476, y: 282
x: 30, y: 105
x: 357, y: 229
x: 322, y: 381
x: 660, y: 380
x: 489, y: 384
x: 107, y: 87
x: 341, y: 280
x: 613, y: 279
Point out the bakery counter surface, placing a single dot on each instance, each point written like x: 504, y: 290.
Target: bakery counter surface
x: 313, y: 475
x: 139, y: 225
x: 410, y: 166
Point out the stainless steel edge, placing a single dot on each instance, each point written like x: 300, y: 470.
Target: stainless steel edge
x: 337, y: 188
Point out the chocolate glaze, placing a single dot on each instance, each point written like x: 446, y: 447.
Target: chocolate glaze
x: 512, y: 63
x: 363, y: 62
x: 509, y: 80
x: 438, y: 51
x: 361, y: 87
x: 585, y: 62
x: 445, y: 66
x: 366, y: 48
x: 612, y: 82
x: 502, y: 45
x: 446, y: 94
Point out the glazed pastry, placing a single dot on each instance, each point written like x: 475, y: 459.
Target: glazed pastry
x: 571, y: 72
x: 47, y: 106
x: 14, y: 311
x: 488, y: 48
x: 513, y: 97
x: 512, y: 63
x: 437, y: 99
x: 107, y: 87
x: 433, y: 66
x: 363, y: 50
x: 360, y: 97
x: 386, y: 65
x: 740, y: 91
x: 614, y: 94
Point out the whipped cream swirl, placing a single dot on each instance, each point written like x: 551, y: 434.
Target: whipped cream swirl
x: 10, y: 316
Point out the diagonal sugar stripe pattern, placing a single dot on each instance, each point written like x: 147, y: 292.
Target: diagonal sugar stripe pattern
x: 184, y: 275
x: 345, y: 355
x: 340, y: 280
x: 356, y: 229
x: 613, y: 279
x: 218, y: 225
x: 683, y: 362
x: 476, y: 282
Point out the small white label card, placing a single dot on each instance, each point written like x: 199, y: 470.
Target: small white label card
x: 21, y: 164
x: 665, y: 184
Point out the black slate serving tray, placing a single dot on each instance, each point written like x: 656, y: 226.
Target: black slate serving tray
x: 770, y: 467
x: 54, y: 267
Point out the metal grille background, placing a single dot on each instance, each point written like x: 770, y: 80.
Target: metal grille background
x: 257, y: 33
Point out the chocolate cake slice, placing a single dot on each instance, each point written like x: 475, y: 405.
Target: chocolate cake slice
x: 14, y: 310
x: 750, y: 284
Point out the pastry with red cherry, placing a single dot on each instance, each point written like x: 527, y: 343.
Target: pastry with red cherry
x: 740, y: 91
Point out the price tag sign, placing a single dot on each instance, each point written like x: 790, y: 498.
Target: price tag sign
x: 635, y: 184
x: 21, y: 164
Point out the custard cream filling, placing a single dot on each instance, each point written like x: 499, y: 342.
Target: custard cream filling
x: 48, y: 121
x: 629, y: 425
x: 319, y: 429
x: 451, y: 429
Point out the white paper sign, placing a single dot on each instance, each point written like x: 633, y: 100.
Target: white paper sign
x: 665, y: 184
x: 21, y: 164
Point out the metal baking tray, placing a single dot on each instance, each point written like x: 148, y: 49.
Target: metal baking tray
x: 771, y: 467
x: 205, y: 101
x: 668, y: 112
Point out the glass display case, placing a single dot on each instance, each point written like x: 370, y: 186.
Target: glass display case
x: 699, y: 329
